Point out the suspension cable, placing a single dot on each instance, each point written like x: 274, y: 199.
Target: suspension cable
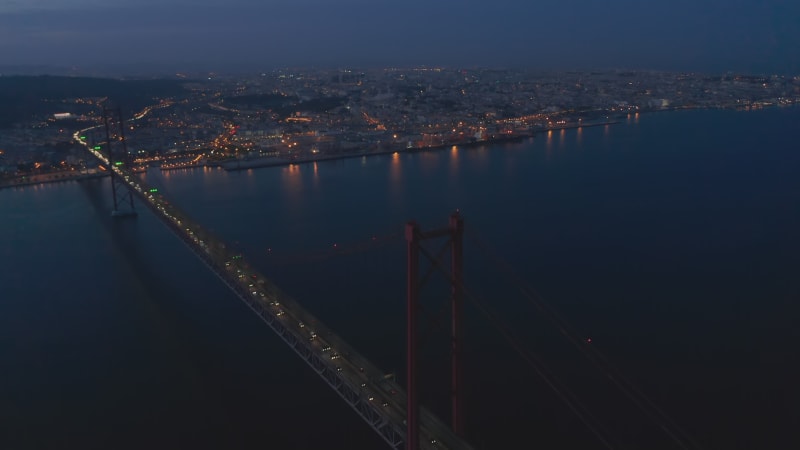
x: 562, y: 392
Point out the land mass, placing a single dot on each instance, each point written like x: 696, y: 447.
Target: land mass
x: 289, y: 116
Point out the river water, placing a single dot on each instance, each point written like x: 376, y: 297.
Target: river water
x: 670, y: 241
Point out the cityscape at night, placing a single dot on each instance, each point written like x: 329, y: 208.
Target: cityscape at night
x: 420, y: 225
x: 291, y: 116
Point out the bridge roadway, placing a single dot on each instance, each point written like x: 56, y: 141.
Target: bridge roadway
x: 376, y: 397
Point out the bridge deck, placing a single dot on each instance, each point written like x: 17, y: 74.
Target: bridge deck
x: 377, y: 399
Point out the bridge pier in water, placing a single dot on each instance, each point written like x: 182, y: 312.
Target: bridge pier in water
x: 117, y: 154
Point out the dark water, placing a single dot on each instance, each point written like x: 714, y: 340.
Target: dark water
x: 671, y: 240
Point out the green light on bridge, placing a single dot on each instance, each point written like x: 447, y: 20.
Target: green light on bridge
x: 118, y: 163
x: 153, y: 190
x: 97, y: 147
x: 83, y: 138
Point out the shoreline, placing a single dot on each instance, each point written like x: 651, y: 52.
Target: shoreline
x: 259, y: 163
x: 231, y: 166
x: 262, y: 163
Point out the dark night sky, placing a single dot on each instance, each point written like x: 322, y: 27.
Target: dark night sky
x: 697, y: 35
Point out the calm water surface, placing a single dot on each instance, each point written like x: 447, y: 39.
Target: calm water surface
x: 671, y: 241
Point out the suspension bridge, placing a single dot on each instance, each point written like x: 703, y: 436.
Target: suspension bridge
x: 388, y: 408
x: 376, y: 398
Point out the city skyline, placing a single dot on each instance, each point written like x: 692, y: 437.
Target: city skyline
x: 709, y: 36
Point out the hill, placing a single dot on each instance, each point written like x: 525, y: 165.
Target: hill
x: 24, y: 98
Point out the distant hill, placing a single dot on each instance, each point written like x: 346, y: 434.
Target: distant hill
x: 24, y: 97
